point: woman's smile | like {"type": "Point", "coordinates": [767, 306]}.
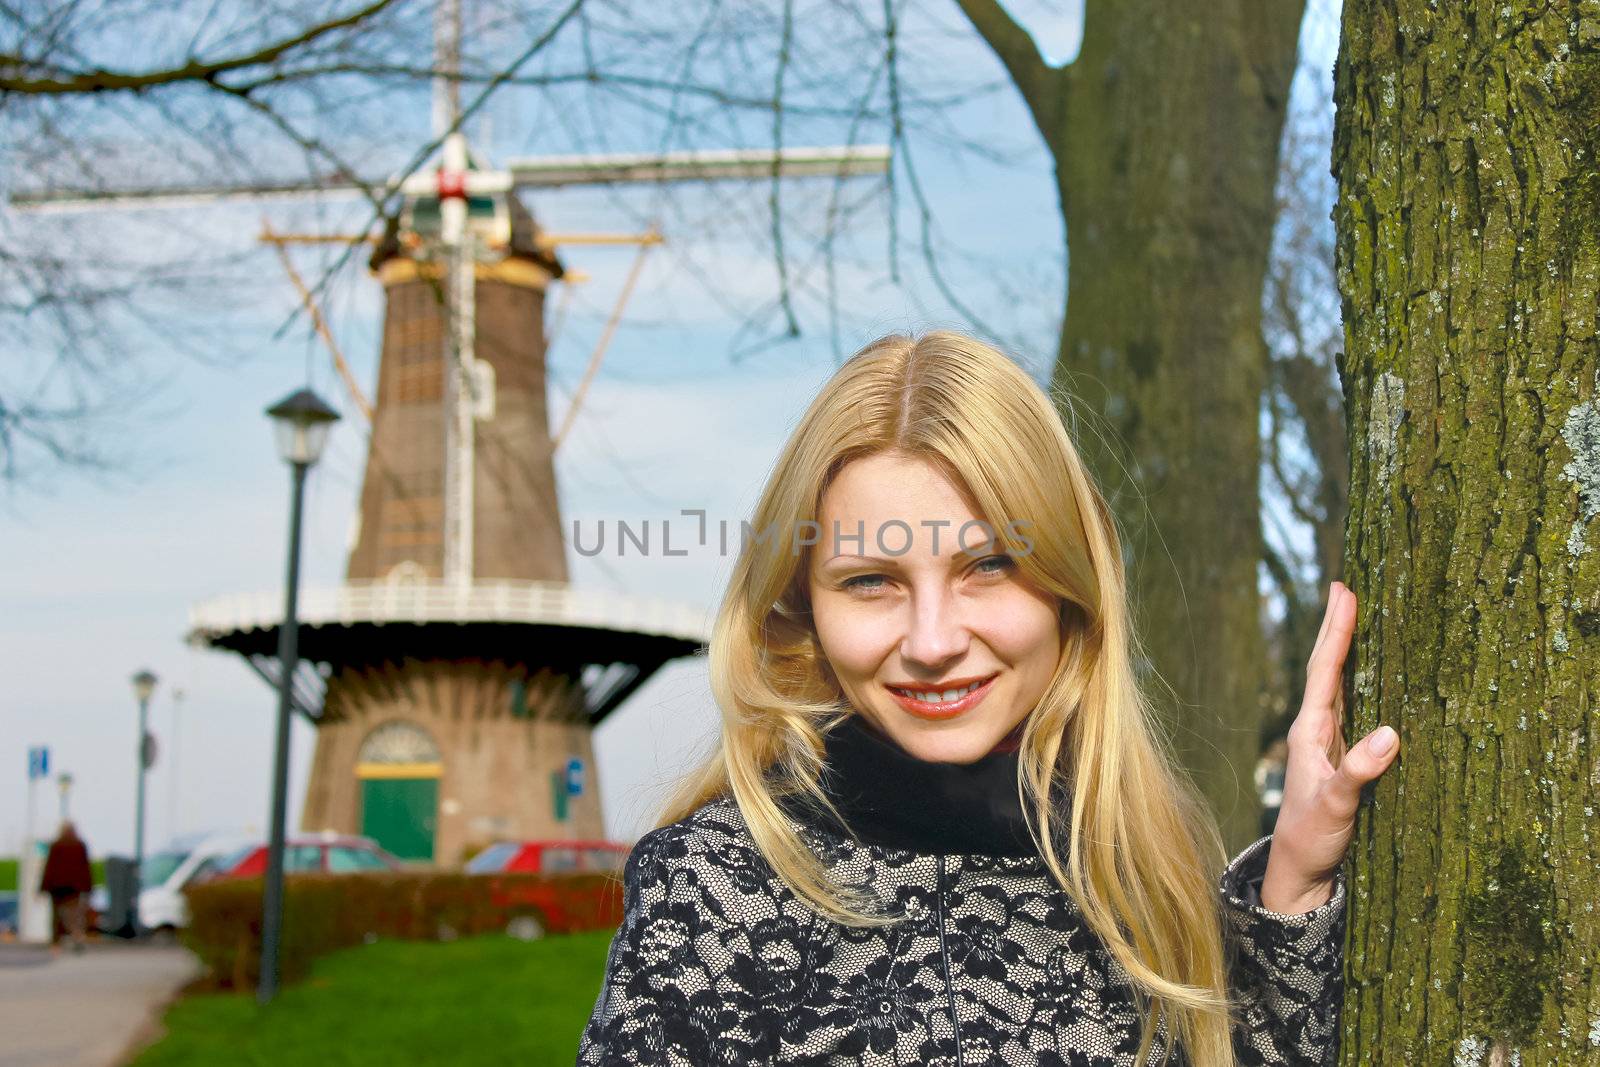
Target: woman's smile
{"type": "Point", "coordinates": [944, 702]}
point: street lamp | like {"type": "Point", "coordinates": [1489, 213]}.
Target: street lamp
{"type": "Point", "coordinates": [64, 783]}
{"type": "Point", "coordinates": [173, 785]}
{"type": "Point", "coordinates": [144, 685]}
{"type": "Point", "coordinates": [302, 421]}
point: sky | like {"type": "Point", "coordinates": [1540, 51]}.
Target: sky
{"type": "Point", "coordinates": [101, 571]}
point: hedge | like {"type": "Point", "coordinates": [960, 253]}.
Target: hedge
{"type": "Point", "coordinates": [323, 913]}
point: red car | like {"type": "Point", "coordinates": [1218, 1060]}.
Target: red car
{"type": "Point", "coordinates": [333, 854]}
{"type": "Point", "coordinates": [542, 907]}
{"type": "Point", "coordinates": [549, 857]}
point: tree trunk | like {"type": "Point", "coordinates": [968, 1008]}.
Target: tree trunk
{"type": "Point", "coordinates": [1165, 131]}
{"type": "Point", "coordinates": [1468, 257]}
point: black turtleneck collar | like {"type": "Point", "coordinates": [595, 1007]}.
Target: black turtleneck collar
{"type": "Point", "coordinates": [892, 798]}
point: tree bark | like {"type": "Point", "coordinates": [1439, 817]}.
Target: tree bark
{"type": "Point", "coordinates": [1165, 131]}
{"type": "Point", "coordinates": [1469, 264]}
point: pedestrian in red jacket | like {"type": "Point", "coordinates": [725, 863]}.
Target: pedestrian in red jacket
{"type": "Point", "coordinates": [67, 879]}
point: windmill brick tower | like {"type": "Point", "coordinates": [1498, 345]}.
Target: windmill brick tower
{"type": "Point", "coordinates": [433, 754]}
{"type": "Point", "coordinates": [459, 685]}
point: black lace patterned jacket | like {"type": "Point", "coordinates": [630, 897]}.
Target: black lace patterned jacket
{"type": "Point", "coordinates": [717, 963]}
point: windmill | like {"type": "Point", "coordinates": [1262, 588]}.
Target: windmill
{"type": "Point", "coordinates": [455, 678]}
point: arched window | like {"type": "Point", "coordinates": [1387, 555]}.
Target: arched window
{"type": "Point", "coordinates": [398, 742]}
{"type": "Point", "coordinates": [406, 572]}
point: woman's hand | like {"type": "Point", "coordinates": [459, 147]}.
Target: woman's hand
{"type": "Point", "coordinates": [1322, 782]}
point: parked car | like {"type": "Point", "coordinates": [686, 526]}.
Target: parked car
{"type": "Point", "coordinates": [550, 857]}
{"type": "Point", "coordinates": [330, 853]}
{"type": "Point", "coordinates": [164, 875]}
{"type": "Point", "coordinates": [538, 907]}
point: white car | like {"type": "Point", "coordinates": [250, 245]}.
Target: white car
{"type": "Point", "coordinates": [168, 870]}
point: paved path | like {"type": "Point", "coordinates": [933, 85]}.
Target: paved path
{"type": "Point", "coordinates": [88, 1010]}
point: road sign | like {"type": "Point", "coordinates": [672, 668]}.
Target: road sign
{"type": "Point", "coordinates": [38, 762]}
{"type": "Point", "coordinates": [574, 777]}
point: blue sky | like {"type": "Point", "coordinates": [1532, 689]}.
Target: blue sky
{"type": "Point", "coordinates": [102, 570]}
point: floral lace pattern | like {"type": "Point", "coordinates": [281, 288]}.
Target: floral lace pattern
{"type": "Point", "coordinates": [717, 963]}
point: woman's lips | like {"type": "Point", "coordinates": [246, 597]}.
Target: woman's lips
{"type": "Point", "coordinates": [955, 707]}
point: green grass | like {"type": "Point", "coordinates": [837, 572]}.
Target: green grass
{"type": "Point", "coordinates": [8, 872]}
{"type": "Point", "coordinates": [483, 1000]}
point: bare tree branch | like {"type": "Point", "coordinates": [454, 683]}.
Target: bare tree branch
{"type": "Point", "coordinates": [102, 81]}
{"type": "Point", "coordinates": [1293, 492]}
{"type": "Point", "coordinates": [775, 187]}
{"type": "Point", "coordinates": [1043, 87]}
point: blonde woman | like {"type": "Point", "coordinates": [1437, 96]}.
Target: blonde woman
{"type": "Point", "coordinates": [941, 827]}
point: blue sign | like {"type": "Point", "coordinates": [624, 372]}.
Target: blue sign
{"type": "Point", "coordinates": [574, 777]}
{"type": "Point", "coordinates": [38, 763]}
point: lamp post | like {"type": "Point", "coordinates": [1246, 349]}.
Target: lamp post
{"type": "Point", "coordinates": [173, 787]}
{"type": "Point", "coordinates": [64, 783]}
{"type": "Point", "coordinates": [302, 421]}
{"type": "Point", "coordinates": [144, 685]}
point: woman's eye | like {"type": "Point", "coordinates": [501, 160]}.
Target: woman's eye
{"type": "Point", "coordinates": [872, 583]}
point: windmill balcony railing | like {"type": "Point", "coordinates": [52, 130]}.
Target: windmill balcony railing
{"type": "Point", "coordinates": [380, 602]}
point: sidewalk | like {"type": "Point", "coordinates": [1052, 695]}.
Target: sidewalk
{"type": "Point", "coordinates": [88, 1010]}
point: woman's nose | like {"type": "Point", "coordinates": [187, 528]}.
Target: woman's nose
{"type": "Point", "coordinates": [935, 634]}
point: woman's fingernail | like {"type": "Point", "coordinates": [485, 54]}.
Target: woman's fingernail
{"type": "Point", "coordinates": [1382, 741]}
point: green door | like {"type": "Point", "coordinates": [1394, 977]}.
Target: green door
{"type": "Point", "coordinates": [398, 813]}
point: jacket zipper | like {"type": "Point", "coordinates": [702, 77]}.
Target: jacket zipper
{"type": "Point", "coordinates": [944, 953]}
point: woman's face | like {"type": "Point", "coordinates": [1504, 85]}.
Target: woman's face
{"type": "Point", "coordinates": [933, 618]}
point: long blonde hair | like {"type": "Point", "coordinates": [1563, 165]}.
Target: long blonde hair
{"type": "Point", "coordinates": [1132, 855]}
